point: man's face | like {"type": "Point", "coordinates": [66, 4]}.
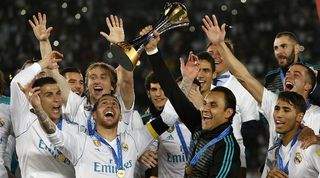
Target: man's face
{"type": "Point", "coordinates": [214, 112]}
{"type": "Point", "coordinates": [156, 96]}
{"type": "Point", "coordinates": [75, 81]}
{"type": "Point", "coordinates": [286, 117]}
{"type": "Point", "coordinates": [205, 76]}
{"type": "Point", "coordinates": [221, 66]}
{"type": "Point", "coordinates": [284, 51]}
{"type": "Point", "coordinates": [108, 112]}
{"type": "Point", "coordinates": [99, 83]}
{"type": "Point", "coordinates": [51, 100]}
{"type": "Point", "coordinates": [295, 80]}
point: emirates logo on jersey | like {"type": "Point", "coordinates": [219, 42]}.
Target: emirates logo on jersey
{"type": "Point", "coordinates": [298, 158]}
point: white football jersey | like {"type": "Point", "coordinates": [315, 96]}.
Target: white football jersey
{"type": "Point", "coordinates": [269, 101]}
{"type": "Point", "coordinates": [303, 163]}
{"type": "Point", "coordinates": [171, 156]}
{"type": "Point", "coordinates": [91, 158]}
{"type": "Point", "coordinates": [38, 158]}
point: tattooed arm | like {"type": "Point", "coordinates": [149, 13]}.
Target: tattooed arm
{"type": "Point", "coordinates": [33, 97]}
{"type": "Point", "coordinates": [46, 123]}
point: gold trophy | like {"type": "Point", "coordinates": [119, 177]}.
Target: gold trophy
{"type": "Point", "coordinates": [127, 53]}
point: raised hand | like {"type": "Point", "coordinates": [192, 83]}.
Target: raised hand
{"type": "Point", "coordinates": [190, 69]}
{"type": "Point", "coordinates": [214, 33]}
{"type": "Point", "coordinates": [115, 26]}
{"type": "Point", "coordinates": [51, 60]}
{"type": "Point", "coordinates": [39, 28]}
{"type": "Point", "coordinates": [32, 94]}
{"type": "Point", "coordinates": [152, 44]}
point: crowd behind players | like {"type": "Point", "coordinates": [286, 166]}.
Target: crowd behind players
{"type": "Point", "coordinates": [59, 123]}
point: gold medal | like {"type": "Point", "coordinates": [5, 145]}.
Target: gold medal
{"type": "Point", "coordinates": [97, 142]}
{"type": "Point", "coordinates": [61, 157]}
{"type": "Point", "coordinates": [188, 170]}
{"type": "Point", "coordinates": [120, 173]}
{"type": "Point", "coordinates": [125, 147]}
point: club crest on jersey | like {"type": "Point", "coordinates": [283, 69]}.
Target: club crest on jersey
{"type": "Point", "coordinates": [97, 142]}
{"type": "Point", "coordinates": [1, 122]}
{"type": "Point", "coordinates": [298, 158]}
{"type": "Point", "coordinates": [125, 147]}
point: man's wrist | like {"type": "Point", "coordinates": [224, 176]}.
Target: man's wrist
{"type": "Point", "coordinates": [152, 51]}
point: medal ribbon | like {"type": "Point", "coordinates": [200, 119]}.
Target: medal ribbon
{"type": "Point", "coordinates": [91, 126]}
{"type": "Point", "coordinates": [59, 125]}
{"type": "Point", "coordinates": [196, 158]}
{"type": "Point", "coordinates": [181, 138]}
{"type": "Point", "coordinates": [280, 161]}
{"type": "Point", "coordinates": [117, 158]}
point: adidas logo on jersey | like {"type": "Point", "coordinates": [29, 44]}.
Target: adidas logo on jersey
{"type": "Point", "coordinates": [170, 137]}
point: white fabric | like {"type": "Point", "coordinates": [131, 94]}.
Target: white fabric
{"type": "Point", "coordinates": [91, 160]}
{"type": "Point", "coordinates": [269, 100]}
{"type": "Point", "coordinates": [171, 157]}
{"type": "Point", "coordinates": [38, 158]}
{"type": "Point", "coordinates": [169, 115]}
{"type": "Point", "coordinates": [303, 163]}
{"type": "Point", "coordinates": [247, 105]}
{"type": "Point", "coordinates": [5, 126]}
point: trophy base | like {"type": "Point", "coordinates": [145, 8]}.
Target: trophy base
{"type": "Point", "coordinates": [121, 57]}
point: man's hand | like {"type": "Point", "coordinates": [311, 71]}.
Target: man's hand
{"type": "Point", "coordinates": [196, 98]}
{"type": "Point", "coordinates": [214, 33]}
{"type": "Point", "coordinates": [152, 44]}
{"type": "Point", "coordinates": [276, 173]}
{"type": "Point", "coordinates": [32, 94]}
{"type": "Point", "coordinates": [308, 137]}
{"type": "Point", "coordinates": [39, 27]}
{"type": "Point", "coordinates": [148, 158]}
{"type": "Point", "coordinates": [51, 60]}
{"type": "Point", "coordinates": [190, 69]}
{"type": "Point", "coordinates": [115, 26]}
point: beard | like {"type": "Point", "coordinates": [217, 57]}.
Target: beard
{"type": "Point", "coordinates": [290, 60]}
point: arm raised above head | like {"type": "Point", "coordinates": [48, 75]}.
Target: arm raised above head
{"type": "Point", "coordinates": [216, 35]}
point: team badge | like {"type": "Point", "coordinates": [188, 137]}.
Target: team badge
{"type": "Point", "coordinates": [125, 147]}
{"type": "Point", "coordinates": [171, 129]}
{"type": "Point", "coordinates": [61, 157]}
{"type": "Point", "coordinates": [318, 152]}
{"type": "Point", "coordinates": [298, 158]}
{"type": "Point", "coordinates": [1, 122]}
{"type": "Point", "coordinates": [97, 142]}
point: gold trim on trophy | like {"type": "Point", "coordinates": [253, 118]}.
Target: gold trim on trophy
{"type": "Point", "coordinates": [127, 54]}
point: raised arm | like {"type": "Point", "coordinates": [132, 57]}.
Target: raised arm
{"type": "Point", "coordinates": [216, 35]}
{"type": "Point", "coordinates": [125, 77]}
{"type": "Point", "coordinates": [42, 33]}
{"type": "Point", "coordinates": [71, 145]}
{"type": "Point", "coordinates": [188, 114]}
